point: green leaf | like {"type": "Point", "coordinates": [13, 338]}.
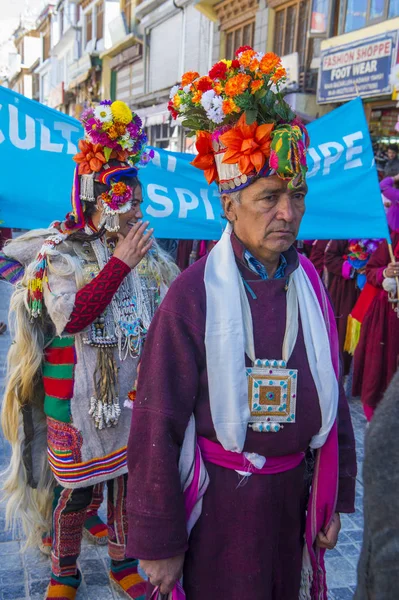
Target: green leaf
{"type": "Point", "coordinates": [268, 99]}
{"type": "Point", "coordinates": [107, 153]}
{"type": "Point", "coordinates": [260, 94]}
{"type": "Point", "coordinates": [250, 116]}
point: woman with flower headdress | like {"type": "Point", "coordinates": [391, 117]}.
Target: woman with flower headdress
{"type": "Point", "coordinates": [90, 287]}
{"type": "Point", "coordinates": [246, 354]}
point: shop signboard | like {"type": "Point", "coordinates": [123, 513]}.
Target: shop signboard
{"type": "Point", "coordinates": [360, 68]}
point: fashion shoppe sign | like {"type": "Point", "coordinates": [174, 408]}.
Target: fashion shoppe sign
{"type": "Point", "coordinates": [358, 69]}
{"type": "Point", "coordinates": [38, 142]}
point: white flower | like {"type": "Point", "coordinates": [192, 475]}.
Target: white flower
{"type": "Point", "coordinates": [207, 98]}
{"type": "Point", "coordinates": [187, 88]}
{"type": "Point", "coordinates": [216, 115]}
{"type": "Point", "coordinates": [217, 102]}
{"type": "Point", "coordinates": [103, 113]}
{"type": "Point", "coordinates": [126, 142]}
{"type": "Point", "coordinates": [174, 91]}
{"type": "Point", "coordinates": [259, 56]}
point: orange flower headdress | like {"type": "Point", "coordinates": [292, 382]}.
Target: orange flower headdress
{"type": "Point", "coordinates": [244, 128]}
{"type": "Point", "coordinates": [113, 136]}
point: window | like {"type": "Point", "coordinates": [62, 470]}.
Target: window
{"type": "Point", "coordinates": [393, 9]}
{"type": "Point", "coordinates": [291, 26]}
{"type": "Point", "coordinates": [360, 13]}
{"type": "Point", "coordinates": [100, 20]}
{"type": "Point", "coordinates": [46, 45]}
{"type": "Point", "coordinates": [89, 26]}
{"type": "Point", "coordinates": [77, 14]}
{"type": "Point", "coordinates": [240, 36]}
{"type": "Point", "coordinates": [127, 9]}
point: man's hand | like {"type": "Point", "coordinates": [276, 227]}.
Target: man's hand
{"type": "Point", "coordinates": [164, 573]}
{"type": "Point", "coordinates": [392, 270]}
{"type": "Point", "coordinates": [132, 248]}
{"type": "Point", "coordinates": [328, 539]}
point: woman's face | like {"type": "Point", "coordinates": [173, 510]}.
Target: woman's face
{"type": "Point", "coordinates": [128, 219]}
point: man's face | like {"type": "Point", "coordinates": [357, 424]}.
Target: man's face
{"type": "Point", "coordinates": [268, 217]}
{"type": "Point", "coordinates": [391, 154]}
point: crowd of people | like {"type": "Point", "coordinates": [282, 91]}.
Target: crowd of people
{"type": "Point", "coordinates": [210, 404]}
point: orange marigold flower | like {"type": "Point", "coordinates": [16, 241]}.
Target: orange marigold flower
{"type": "Point", "coordinates": [237, 85]}
{"type": "Point", "coordinates": [119, 188]}
{"type": "Point", "coordinates": [112, 132]}
{"type": "Point", "coordinates": [229, 106]}
{"type": "Point", "coordinates": [246, 57]}
{"type": "Point", "coordinates": [279, 73]}
{"type": "Point", "coordinates": [196, 99]}
{"type": "Point", "coordinates": [120, 128]}
{"type": "Point", "coordinates": [132, 395]}
{"type": "Point", "coordinates": [254, 66]}
{"type": "Point", "coordinates": [218, 88]}
{"type": "Point", "coordinates": [256, 85]}
{"type": "Point", "coordinates": [189, 77]}
{"type": "Point", "coordinates": [269, 62]}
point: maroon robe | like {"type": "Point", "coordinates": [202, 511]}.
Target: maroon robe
{"type": "Point", "coordinates": [317, 255]}
{"type": "Point", "coordinates": [247, 544]}
{"type": "Point", "coordinates": [343, 292]}
{"type": "Point", "coordinates": [376, 356]}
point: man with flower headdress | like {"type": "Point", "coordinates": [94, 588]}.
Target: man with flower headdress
{"type": "Point", "coordinates": [247, 394]}
{"type": "Point", "coordinates": [89, 290]}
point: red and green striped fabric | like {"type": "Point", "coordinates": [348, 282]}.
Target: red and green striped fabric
{"type": "Point", "coordinates": [58, 378]}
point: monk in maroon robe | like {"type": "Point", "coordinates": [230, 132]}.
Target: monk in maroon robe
{"type": "Point", "coordinates": [343, 292]}
{"type": "Point", "coordinates": [317, 255]}
{"type": "Point", "coordinates": [376, 356]}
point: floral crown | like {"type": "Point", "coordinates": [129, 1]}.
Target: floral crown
{"type": "Point", "coordinates": [112, 134]}
{"type": "Point", "coordinates": [244, 127]}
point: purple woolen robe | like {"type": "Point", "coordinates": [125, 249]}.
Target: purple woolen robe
{"type": "Point", "coordinates": [343, 292]}
{"type": "Point", "coordinates": [248, 542]}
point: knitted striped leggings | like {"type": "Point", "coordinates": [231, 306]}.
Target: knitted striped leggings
{"type": "Point", "coordinates": [69, 514]}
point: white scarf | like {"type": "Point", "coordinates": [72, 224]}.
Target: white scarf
{"type": "Point", "coordinates": [229, 335]}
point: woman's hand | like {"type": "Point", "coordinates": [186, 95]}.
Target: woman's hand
{"type": "Point", "coordinates": [392, 270]}
{"type": "Point", "coordinates": [328, 539]}
{"type": "Point", "coordinates": [132, 248]}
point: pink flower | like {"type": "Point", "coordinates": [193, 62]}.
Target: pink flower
{"type": "Point", "coordinates": [273, 160]}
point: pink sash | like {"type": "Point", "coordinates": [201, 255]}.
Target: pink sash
{"type": "Point", "coordinates": [215, 453]}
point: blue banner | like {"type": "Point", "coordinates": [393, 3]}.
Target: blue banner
{"type": "Point", "coordinates": [37, 144]}
{"type": "Point", "coordinates": [359, 68]}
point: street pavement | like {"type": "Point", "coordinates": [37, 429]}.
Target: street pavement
{"type": "Point", "coordinates": [25, 575]}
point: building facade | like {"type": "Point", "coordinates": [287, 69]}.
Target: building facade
{"type": "Point", "coordinates": [46, 68]}
{"type": "Point", "coordinates": [176, 37]}
{"type": "Point", "coordinates": [360, 58]}
{"type": "Point", "coordinates": [21, 76]}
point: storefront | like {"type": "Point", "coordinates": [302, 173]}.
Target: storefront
{"type": "Point", "coordinates": [360, 64]}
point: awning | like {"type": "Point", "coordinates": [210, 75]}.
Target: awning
{"type": "Point", "coordinates": [78, 80]}
{"type": "Point", "coordinates": [154, 115]}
